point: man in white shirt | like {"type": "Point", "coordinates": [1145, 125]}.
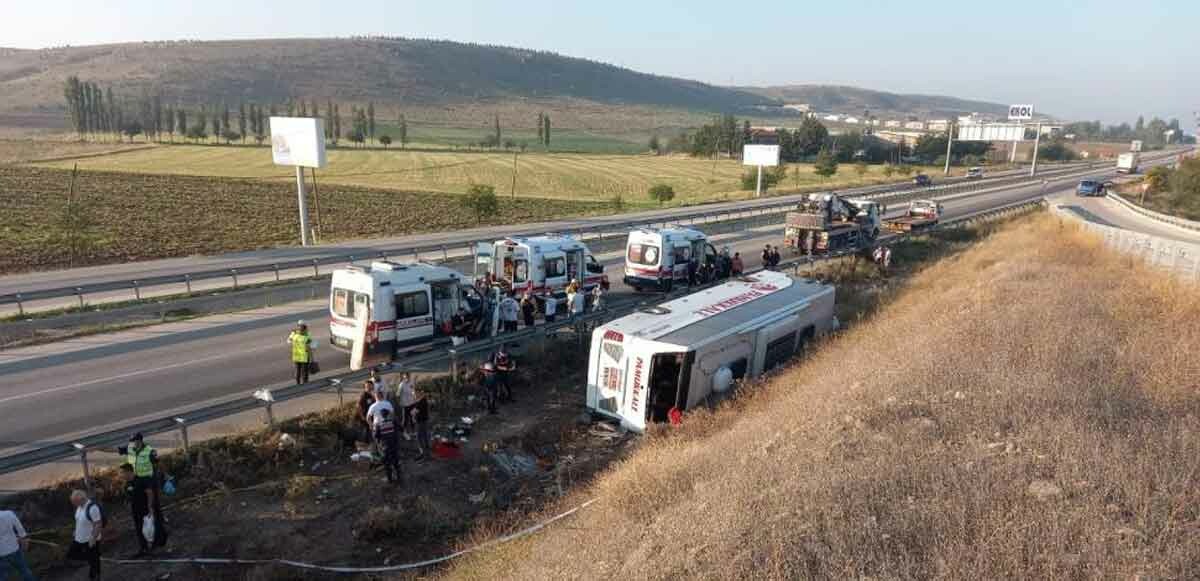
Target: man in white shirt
{"type": "Point", "coordinates": [408, 397]}
{"type": "Point", "coordinates": [374, 414]}
{"type": "Point", "coordinates": [509, 313]}
{"type": "Point", "coordinates": [551, 305]}
{"type": "Point", "coordinates": [381, 386]}
{"type": "Point", "coordinates": [13, 544]}
{"type": "Point", "coordinates": [85, 545]}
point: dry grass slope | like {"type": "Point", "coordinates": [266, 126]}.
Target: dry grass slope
{"type": "Point", "coordinates": [1028, 409]}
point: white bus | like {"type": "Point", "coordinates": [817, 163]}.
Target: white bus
{"type": "Point", "coordinates": [675, 355]}
{"type": "Point", "coordinates": [658, 257]}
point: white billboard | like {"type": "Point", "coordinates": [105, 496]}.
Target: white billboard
{"type": "Point", "coordinates": [992, 132]}
{"type": "Point", "coordinates": [762, 155]}
{"type": "Point", "coordinates": [1020, 112]}
{"type": "Point", "coordinates": [298, 141]}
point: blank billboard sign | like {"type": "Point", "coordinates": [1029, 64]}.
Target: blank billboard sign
{"type": "Point", "coordinates": [760, 155]}
{"type": "Point", "coordinates": [991, 132]}
{"type": "Point", "coordinates": [298, 141]}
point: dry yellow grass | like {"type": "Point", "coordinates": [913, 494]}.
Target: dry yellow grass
{"type": "Point", "coordinates": [911, 446]}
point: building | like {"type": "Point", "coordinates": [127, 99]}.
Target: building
{"type": "Point", "coordinates": [938, 124]}
{"type": "Point", "coordinates": [801, 107]}
{"type": "Point", "coordinates": [833, 117]}
{"type": "Point", "coordinates": [851, 120]}
{"type": "Point", "coordinates": [917, 125]}
{"type": "Point", "coordinates": [892, 124]}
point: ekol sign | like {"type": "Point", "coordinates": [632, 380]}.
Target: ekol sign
{"type": "Point", "coordinates": [1020, 112]}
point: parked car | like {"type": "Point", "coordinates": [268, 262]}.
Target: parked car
{"type": "Point", "coordinates": [1089, 188]}
{"type": "Point", "coordinates": [974, 173]}
{"type": "Point", "coordinates": [922, 180]}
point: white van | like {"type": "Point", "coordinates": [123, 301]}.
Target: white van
{"type": "Point", "coordinates": [658, 257]}
{"type": "Point", "coordinates": [677, 354]}
{"type": "Point", "coordinates": [410, 305]}
{"type": "Point", "coordinates": [540, 265]}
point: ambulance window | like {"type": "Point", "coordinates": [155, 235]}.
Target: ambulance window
{"type": "Point", "coordinates": [361, 301]}
{"type": "Point", "coordinates": [556, 267]}
{"type": "Point", "coordinates": [593, 266]}
{"type": "Point", "coordinates": [521, 271]}
{"type": "Point", "coordinates": [343, 304]}
{"type": "Point", "coordinates": [442, 292]}
{"type": "Point", "coordinates": [410, 305]}
{"type": "Point", "coordinates": [683, 254]}
{"type": "Point", "coordinates": [643, 254]}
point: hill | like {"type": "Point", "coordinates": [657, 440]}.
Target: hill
{"type": "Point", "coordinates": [853, 100]}
{"type": "Point", "coordinates": [390, 71]}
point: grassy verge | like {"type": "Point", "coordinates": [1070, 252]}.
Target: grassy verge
{"type": "Point", "coordinates": [1026, 409]}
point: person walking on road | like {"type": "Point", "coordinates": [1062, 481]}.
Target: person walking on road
{"type": "Point", "coordinates": [302, 345]}
{"type": "Point", "coordinates": [85, 543]}
{"type": "Point", "coordinates": [14, 543]}
{"type": "Point", "coordinates": [386, 435]}
{"type": "Point", "coordinates": [598, 298]}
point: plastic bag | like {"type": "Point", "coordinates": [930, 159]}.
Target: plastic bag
{"type": "Point", "coordinates": [169, 486]}
{"type": "Point", "coordinates": [148, 528]}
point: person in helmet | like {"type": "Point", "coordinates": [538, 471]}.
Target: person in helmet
{"type": "Point", "coordinates": [490, 387]}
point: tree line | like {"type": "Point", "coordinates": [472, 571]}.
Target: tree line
{"type": "Point", "coordinates": [1152, 134]}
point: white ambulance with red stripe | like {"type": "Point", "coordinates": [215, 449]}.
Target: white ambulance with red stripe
{"type": "Point", "coordinates": [657, 258]}
{"type": "Point", "coordinates": [653, 365]}
{"type": "Point", "coordinates": [408, 305]}
{"type": "Point", "coordinates": [540, 265]}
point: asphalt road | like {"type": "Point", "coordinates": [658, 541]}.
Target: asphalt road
{"type": "Point", "coordinates": [50, 392]}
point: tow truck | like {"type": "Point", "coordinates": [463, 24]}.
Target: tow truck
{"type": "Point", "coordinates": [828, 223]}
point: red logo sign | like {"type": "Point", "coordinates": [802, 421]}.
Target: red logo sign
{"type": "Point", "coordinates": [613, 336]}
{"type": "Point", "coordinates": [637, 385]}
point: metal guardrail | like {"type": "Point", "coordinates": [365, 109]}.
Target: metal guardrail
{"type": "Point", "coordinates": [1167, 219]}
{"type": "Point", "coordinates": [750, 208]}
{"type": "Point", "coordinates": [79, 447]}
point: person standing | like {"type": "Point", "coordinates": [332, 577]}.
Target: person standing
{"type": "Point", "coordinates": [776, 258]}
{"type": "Point", "coordinates": [365, 400]}
{"type": "Point", "coordinates": [143, 460]}
{"type": "Point", "coordinates": [302, 345]}
{"type": "Point", "coordinates": [766, 257]}
{"type": "Point", "coordinates": [379, 384]}
{"type": "Point", "coordinates": [490, 390]}
{"type": "Point", "coordinates": [578, 302]}
{"type": "Point", "coordinates": [85, 544]}
{"type": "Point", "coordinates": [528, 310]}
{"type": "Point", "coordinates": [551, 309]}
{"type": "Point", "coordinates": [408, 397]}
{"type": "Point", "coordinates": [377, 409]}
{"type": "Point", "coordinates": [420, 416]}
{"type": "Point", "coordinates": [737, 265]}
{"type": "Point", "coordinates": [139, 509]}
{"type": "Point", "coordinates": [386, 436]}
{"type": "Point", "coordinates": [14, 543]}
{"type": "Point", "coordinates": [504, 366]}
{"type": "Point", "coordinates": [509, 313]}
{"type": "Point", "coordinates": [597, 298]}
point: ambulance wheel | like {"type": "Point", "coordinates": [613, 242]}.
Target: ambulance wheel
{"type": "Point", "coordinates": [668, 284]}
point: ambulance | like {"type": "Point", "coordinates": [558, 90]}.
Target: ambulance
{"type": "Point", "coordinates": [663, 360]}
{"type": "Point", "coordinates": [408, 306]}
{"type": "Point", "coordinates": [540, 265]}
{"type": "Point", "coordinates": [658, 258]}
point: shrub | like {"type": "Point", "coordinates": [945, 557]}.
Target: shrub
{"type": "Point", "coordinates": [481, 199]}
{"type": "Point", "coordinates": [661, 193]}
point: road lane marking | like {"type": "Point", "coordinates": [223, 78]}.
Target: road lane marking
{"type": "Point", "coordinates": [130, 374]}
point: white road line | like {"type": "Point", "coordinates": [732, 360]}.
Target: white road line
{"type": "Point", "coordinates": [130, 374]}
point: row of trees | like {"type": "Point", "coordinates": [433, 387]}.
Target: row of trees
{"type": "Point", "coordinates": [1152, 134]}
{"type": "Point", "coordinates": [495, 139]}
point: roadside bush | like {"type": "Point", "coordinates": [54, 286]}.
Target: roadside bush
{"type": "Point", "coordinates": [481, 199]}
{"type": "Point", "coordinates": [661, 193]}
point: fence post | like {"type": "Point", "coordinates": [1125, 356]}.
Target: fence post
{"type": "Point", "coordinates": [137, 291]}
{"type": "Point", "coordinates": [20, 307]}
{"type": "Point", "coordinates": [233, 273]}
{"type": "Point", "coordinates": [183, 433]}
{"type": "Point", "coordinates": [187, 280]}
{"type": "Point", "coordinates": [316, 270]}
{"type": "Point", "coordinates": [79, 293]}
{"type": "Point", "coordinates": [87, 472]}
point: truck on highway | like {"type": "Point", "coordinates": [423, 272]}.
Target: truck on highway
{"type": "Point", "coordinates": [406, 306]}
{"type": "Point", "coordinates": [1135, 145]}
{"type": "Point", "coordinates": [657, 258]}
{"type": "Point", "coordinates": [828, 223]}
{"type": "Point", "coordinates": [660, 361]}
{"type": "Point", "coordinates": [921, 214]}
{"type": "Point", "coordinates": [1127, 162]}
{"type": "Point", "coordinates": [542, 266]}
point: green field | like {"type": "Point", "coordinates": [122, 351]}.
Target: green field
{"type": "Point", "coordinates": [577, 177]}
{"type": "Point", "coordinates": [574, 140]}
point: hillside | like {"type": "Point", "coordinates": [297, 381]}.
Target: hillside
{"type": "Point", "coordinates": [388, 71]}
{"type": "Point", "coordinates": [854, 100]}
{"type": "Point", "coordinates": [1026, 409]}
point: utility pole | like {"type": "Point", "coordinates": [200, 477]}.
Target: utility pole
{"type": "Point", "coordinates": [513, 191]}
{"type": "Point", "coordinates": [758, 188]}
{"type": "Point", "coordinates": [1037, 139]}
{"type": "Point", "coordinates": [1012, 156]}
{"type": "Point", "coordinates": [949, 142]}
{"type": "Point", "coordinates": [303, 206]}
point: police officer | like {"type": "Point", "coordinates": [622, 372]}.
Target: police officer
{"type": "Point", "coordinates": [302, 345]}
{"type": "Point", "coordinates": [504, 366]}
{"type": "Point", "coordinates": [143, 461]}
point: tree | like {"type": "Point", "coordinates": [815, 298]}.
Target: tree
{"type": "Point", "coordinates": [72, 92]}
{"type": "Point", "coordinates": [329, 120]}
{"type": "Point", "coordinates": [242, 120]}
{"type": "Point", "coordinates": [74, 227]}
{"type": "Point", "coordinates": [861, 168]}
{"type": "Point", "coordinates": [159, 125]}
{"type": "Point", "coordinates": [111, 116]}
{"type": "Point", "coordinates": [386, 140]}
{"type": "Point", "coordinates": [546, 131]}
{"type": "Point", "coordinates": [481, 199]}
{"type": "Point", "coordinates": [1157, 180]}
{"type": "Point", "coordinates": [826, 165]}
{"type": "Point", "coordinates": [770, 178]}
{"type": "Point", "coordinates": [371, 119]}
{"type": "Point", "coordinates": [132, 129]}
{"type": "Point", "coordinates": [181, 125]}
{"type": "Point", "coordinates": [225, 128]}
{"type": "Point", "coordinates": [402, 129]}
{"type": "Point", "coordinates": [810, 137]}
{"type": "Point", "coordinates": [496, 134]}
{"type": "Point", "coordinates": [337, 124]}
{"type": "Point", "coordinates": [654, 145]}
{"type": "Point", "coordinates": [230, 136]}
{"type": "Point", "coordinates": [541, 127]}
{"type": "Point", "coordinates": [661, 193]}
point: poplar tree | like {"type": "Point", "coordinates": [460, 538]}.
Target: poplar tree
{"type": "Point", "coordinates": [371, 119]}
{"type": "Point", "coordinates": [242, 120]}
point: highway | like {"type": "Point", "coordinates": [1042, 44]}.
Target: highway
{"type": "Point", "coordinates": [49, 393]}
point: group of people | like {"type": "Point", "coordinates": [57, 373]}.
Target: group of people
{"type": "Point", "coordinates": [771, 257]}
{"type": "Point", "coordinates": [384, 426]}
{"type": "Point", "coordinates": [143, 486]}
{"type": "Point", "coordinates": [513, 311]}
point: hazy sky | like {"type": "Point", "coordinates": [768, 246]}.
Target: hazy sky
{"type": "Point", "coordinates": [1084, 59]}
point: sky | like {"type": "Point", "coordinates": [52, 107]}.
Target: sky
{"type": "Point", "coordinates": [1100, 59]}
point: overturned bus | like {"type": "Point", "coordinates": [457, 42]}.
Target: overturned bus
{"type": "Point", "coordinates": [674, 356]}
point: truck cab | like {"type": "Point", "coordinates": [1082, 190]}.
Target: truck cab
{"type": "Point", "coordinates": [405, 306]}
{"type": "Point", "coordinates": [540, 265]}
{"type": "Point", "coordinates": [657, 258]}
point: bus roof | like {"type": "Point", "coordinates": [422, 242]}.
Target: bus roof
{"type": "Point", "coordinates": [711, 313]}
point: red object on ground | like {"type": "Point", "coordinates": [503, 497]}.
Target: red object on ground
{"type": "Point", "coordinates": [675, 416]}
{"type": "Point", "coordinates": [446, 450]}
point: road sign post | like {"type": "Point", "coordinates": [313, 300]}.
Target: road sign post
{"type": "Point", "coordinates": [1037, 139]}
{"type": "Point", "coordinates": [949, 143]}
{"type": "Point", "coordinates": [760, 155]}
{"type": "Point", "coordinates": [299, 142]}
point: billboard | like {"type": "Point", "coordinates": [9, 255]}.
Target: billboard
{"type": "Point", "coordinates": [760, 155]}
{"type": "Point", "coordinates": [298, 141]}
{"type": "Point", "coordinates": [1020, 112]}
{"type": "Point", "coordinates": [992, 132]}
